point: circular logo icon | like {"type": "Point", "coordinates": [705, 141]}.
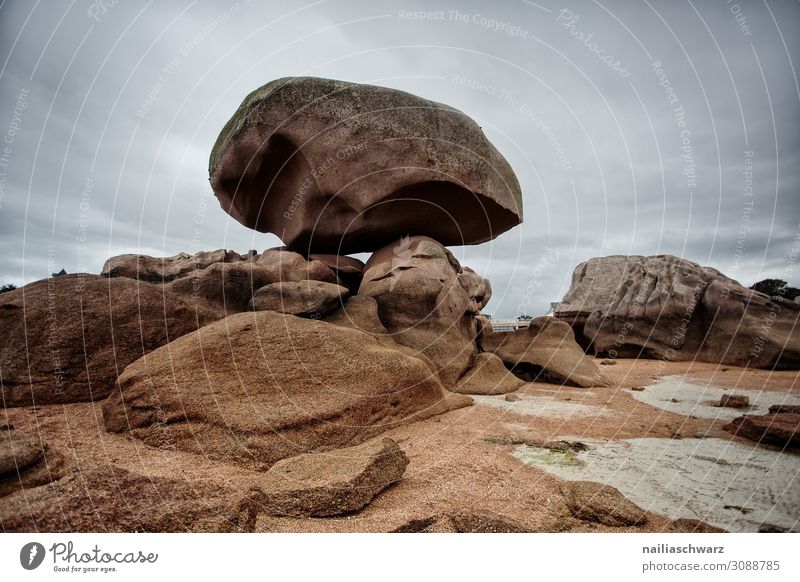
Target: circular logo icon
{"type": "Point", "coordinates": [31, 555]}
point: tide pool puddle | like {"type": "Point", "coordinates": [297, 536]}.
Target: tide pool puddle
{"type": "Point", "coordinates": [678, 395]}
{"type": "Point", "coordinates": [723, 483]}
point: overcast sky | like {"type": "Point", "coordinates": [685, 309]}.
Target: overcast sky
{"type": "Point", "coordinates": [628, 124]}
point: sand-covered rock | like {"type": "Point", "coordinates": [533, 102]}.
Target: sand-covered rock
{"type": "Point", "coordinates": [332, 483]}
{"type": "Point", "coordinates": [104, 498]}
{"type": "Point", "coordinates": [258, 387]}
{"type": "Point", "coordinates": [337, 167]}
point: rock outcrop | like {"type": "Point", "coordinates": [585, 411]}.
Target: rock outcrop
{"type": "Point", "coordinates": [673, 309]}
{"type": "Point", "coordinates": [333, 483]}
{"type": "Point", "coordinates": [166, 269]}
{"type": "Point", "coordinates": [427, 302]}
{"type": "Point", "coordinates": [546, 350]}
{"type": "Point", "coordinates": [337, 167]}
{"type": "Point", "coordinates": [780, 429]}
{"type": "Point", "coordinates": [488, 375]}
{"type": "Point", "coordinates": [110, 499]}
{"type": "Point", "coordinates": [259, 387]}
{"type": "Point", "coordinates": [314, 299]}
{"type": "Point", "coordinates": [595, 502]}
{"type": "Point", "coordinates": [65, 339]}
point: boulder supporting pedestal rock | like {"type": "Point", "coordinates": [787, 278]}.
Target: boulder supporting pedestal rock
{"type": "Point", "coordinates": [303, 298]}
{"type": "Point", "coordinates": [427, 302]}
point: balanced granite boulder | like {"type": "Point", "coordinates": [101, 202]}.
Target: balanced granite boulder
{"type": "Point", "coordinates": [337, 167]}
{"type": "Point", "coordinates": [303, 298]}
{"type": "Point", "coordinates": [261, 386]}
{"type": "Point", "coordinates": [426, 301]}
{"type": "Point", "coordinates": [332, 483]}
{"type": "Point", "coordinates": [546, 350]}
{"type": "Point", "coordinates": [670, 308]}
{"type": "Point", "coordinates": [65, 339]}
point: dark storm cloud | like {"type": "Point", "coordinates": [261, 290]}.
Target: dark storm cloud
{"type": "Point", "coordinates": [627, 123]}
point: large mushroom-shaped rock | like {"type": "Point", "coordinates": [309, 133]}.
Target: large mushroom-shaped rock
{"type": "Point", "coordinates": [324, 484]}
{"type": "Point", "coordinates": [304, 298]}
{"type": "Point", "coordinates": [488, 375]}
{"type": "Point", "coordinates": [337, 167]}
{"type": "Point", "coordinates": [165, 269]}
{"type": "Point", "coordinates": [545, 350]}
{"type": "Point", "coordinates": [258, 387]}
{"type": "Point", "coordinates": [670, 308]}
{"type": "Point", "coordinates": [424, 301]}
{"type": "Point", "coordinates": [65, 339]}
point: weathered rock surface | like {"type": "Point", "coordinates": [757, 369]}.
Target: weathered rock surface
{"type": "Point", "coordinates": [464, 521]}
{"type": "Point", "coordinates": [360, 312]}
{"type": "Point", "coordinates": [670, 308]}
{"type": "Point", "coordinates": [547, 351]}
{"type": "Point", "coordinates": [258, 387]}
{"type": "Point", "coordinates": [687, 525]}
{"type": "Point", "coordinates": [324, 484]}
{"type": "Point", "coordinates": [26, 462]}
{"type": "Point", "coordinates": [109, 499]}
{"type": "Point", "coordinates": [781, 429]}
{"type": "Point", "coordinates": [303, 298]}
{"type": "Point", "coordinates": [65, 339]}
{"type": "Point", "coordinates": [337, 167]}
{"type": "Point", "coordinates": [165, 269]}
{"type": "Point", "coordinates": [425, 302]}
{"type": "Point", "coordinates": [595, 502]}
{"type": "Point", "coordinates": [488, 375]}
{"type": "Point", "coordinates": [18, 451]}
{"type": "Point", "coordinates": [734, 401]}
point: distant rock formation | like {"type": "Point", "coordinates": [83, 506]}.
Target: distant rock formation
{"type": "Point", "coordinates": [337, 167]}
{"type": "Point", "coordinates": [673, 309]}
